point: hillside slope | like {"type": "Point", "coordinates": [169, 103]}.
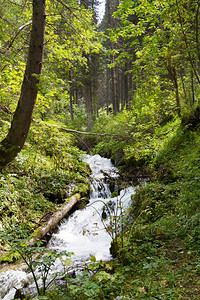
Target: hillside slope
{"type": "Point", "coordinates": [158, 257]}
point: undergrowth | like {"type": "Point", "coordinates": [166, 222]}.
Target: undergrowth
{"type": "Point", "coordinates": [160, 254]}
{"type": "Point", "coordinates": [45, 173]}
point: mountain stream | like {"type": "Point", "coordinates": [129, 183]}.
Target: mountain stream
{"type": "Point", "coordinates": [84, 231]}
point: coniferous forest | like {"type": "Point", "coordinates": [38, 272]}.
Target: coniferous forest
{"type": "Point", "coordinates": [124, 85]}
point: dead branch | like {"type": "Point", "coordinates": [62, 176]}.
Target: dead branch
{"type": "Point", "coordinates": [5, 109]}
{"type": "Point", "coordinates": [15, 35]}
{"type": "Point", "coordinates": [87, 133]}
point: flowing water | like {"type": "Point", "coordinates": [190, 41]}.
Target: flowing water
{"type": "Point", "coordinates": [84, 232]}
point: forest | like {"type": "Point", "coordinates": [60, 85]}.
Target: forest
{"type": "Point", "coordinates": [124, 85]}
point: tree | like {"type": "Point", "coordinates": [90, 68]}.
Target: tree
{"type": "Point", "coordinates": [91, 69]}
{"type": "Point", "coordinates": [117, 79]}
{"type": "Point", "coordinates": [16, 137]}
{"type": "Point", "coordinates": [68, 76]}
{"type": "Point", "coordinates": [163, 39]}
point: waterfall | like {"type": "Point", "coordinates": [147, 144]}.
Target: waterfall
{"type": "Point", "coordinates": [84, 232]}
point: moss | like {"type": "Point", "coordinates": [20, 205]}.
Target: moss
{"type": "Point", "coordinates": [153, 201]}
{"type": "Point", "coordinates": [192, 118]}
{"type": "Point", "coordinates": [35, 183]}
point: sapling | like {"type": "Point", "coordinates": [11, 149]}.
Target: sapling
{"type": "Point", "coordinates": [39, 265]}
{"type": "Point", "coordinates": [116, 221]}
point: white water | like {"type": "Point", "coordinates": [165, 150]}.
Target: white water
{"type": "Point", "coordinates": [83, 233]}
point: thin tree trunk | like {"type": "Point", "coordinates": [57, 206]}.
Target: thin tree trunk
{"type": "Point", "coordinates": [114, 90]}
{"type": "Point", "coordinates": [71, 105]}
{"type": "Point", "coordinates": [186, 43]}
{"type": "Point", "coordinates": [173, 78]}
{"type": "Point", "coordinates": [71, 98]}
{"type": "Point", "coordinates": [14, 141]}
{"type": "Point", "coordinates": [197, 35]}
{"type": "Point", "coordinates": [126, 89]}
{"type": "Point", "coordinates": [88, 103]}
{"type": "Point", "coordinates": [177, 96]}
{"type": "Point", "coordinates": [122, 89]}
{"type": "Point", "coordinates": [192, 89]}
{"type": "Point", "coordinates": [107, 89]}
{"type": "Point", "coordinates": [183, 85]}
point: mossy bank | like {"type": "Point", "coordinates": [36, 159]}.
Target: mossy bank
{"type": "Point", "coordinates": [160, 255]}
{"type": "Point", "coordinates": [44, 175]}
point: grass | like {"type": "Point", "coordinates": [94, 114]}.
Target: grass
{"type": "Point", "coordinates": [160, 254]}
{"type": "Point", "coordinates": [38, 181]}
{"type": "Point", "coordinates": [160, 258]}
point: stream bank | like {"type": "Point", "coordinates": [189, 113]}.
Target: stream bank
{"type": "Point", "coordinates": [160, 255]}
{"type": "Point", "coordinates": [87, 232]}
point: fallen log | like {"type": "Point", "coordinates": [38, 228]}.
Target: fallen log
{"type": "Point", "coordinates": [51, 224]}
{"type": "Point", "coordinates": [87, 133]}
{"type": "Point", "coordinates": [83, 132]}
{"type": "Point", "coordinates": [123, 136]}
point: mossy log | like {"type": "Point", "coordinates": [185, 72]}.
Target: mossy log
{"type": "Point", "coordinates": [51, 224]}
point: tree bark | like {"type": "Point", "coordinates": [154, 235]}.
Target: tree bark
{"type": "Point", "coordinates": [88, 103]}
{"type": "Point", "coordinates": [173, 78]}
{"type": "Point", "coordinates": [71, 105]}
{"type": "Point", "coordinates": [14, 141]}
{"type": "Point", "coordinates": [187, 43]}
{"type": "Point", "coordinates": [114, 90]}
{"type": "Point", "coordinates": [71, 93]}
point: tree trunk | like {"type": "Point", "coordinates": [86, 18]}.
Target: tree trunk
{"type": "Point", "coordinates": [192, 89]}
{"type": "Point", "coordinates": [71, 105]}
{"type": "Point", "coordinates": [197, 34]}
{"type": "Point", "coordinates": [107, 89]}
{"type": "Point", "coordinates": [173, 78]}
{"type": "Point", "coordinates": [126, 88]}
{"type": "Point", "coordinates": [14, 141]}
{"type": "Point", "coordinates": [88, 103]}
{"type": "Point", "coordinates": [188, 49]}
{"type": "Point", "coordinates": [114, 90]}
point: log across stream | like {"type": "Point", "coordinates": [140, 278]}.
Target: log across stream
{"type": "Point", "coordinates": [83, 232]}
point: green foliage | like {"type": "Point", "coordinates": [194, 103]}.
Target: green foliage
{"type": "Point", "coordinates": [19, 202]}
{"type": "Point", "coordinates": [154, 201]}
{"type": "Point", "coordinates": [80, 120]}
{"type": "Point", "coordinates": [71, 35]}
{"type": "Point", "coordinates": [191, 117]}
{"type": "Point", "coordinates": [39, 267]}
{"type": "Point", "coordinates": [160, 246]}
{"type": "Point", "coordinates": [136, 136]}
{"type": "Point", "coordinates": [158, 252]}
{"type": "Point", "coordinates": [46, 172]}
{"type": "Point", "coordinates": [156, 44]}
{"type": "Point", "coordinates": [162, 44]}
{"type": "Point", "coordinates": [174, 194]}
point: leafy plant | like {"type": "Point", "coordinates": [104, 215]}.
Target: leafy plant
{"type": "Point", "coordinates": [38, 261]}
{"type": "Point", "coordinates": [115, 214]}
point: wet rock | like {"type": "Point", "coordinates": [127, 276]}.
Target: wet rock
{"type": "Point", "coordinates": [19, 295]}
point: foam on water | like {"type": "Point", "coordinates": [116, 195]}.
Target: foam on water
{"type": "Point", "coordinates": [83, 233]}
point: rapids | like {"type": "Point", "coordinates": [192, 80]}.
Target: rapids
{"type": "Point", "coordinates": [84, 232]}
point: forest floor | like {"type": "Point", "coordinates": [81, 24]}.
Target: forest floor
{"type": "Point", "coordinates": [161, 257]}
{"type": "Point", "coordinates": [158, 257]}
{"type": "Point", "coordinates": [47, 172]}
